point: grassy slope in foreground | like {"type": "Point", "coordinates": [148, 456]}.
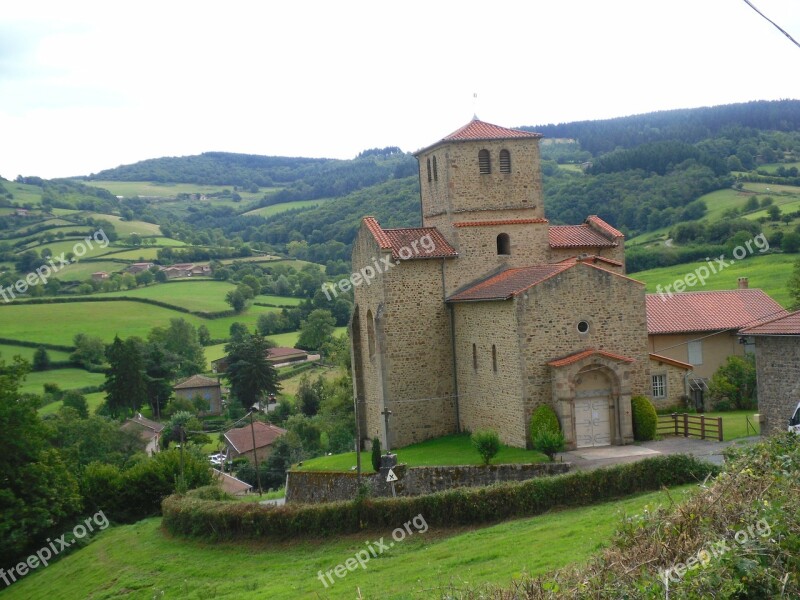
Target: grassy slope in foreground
{"type": "Point", "coordinates": [140, 562]}
{"type": "Point", "coordinates": [769, 272]}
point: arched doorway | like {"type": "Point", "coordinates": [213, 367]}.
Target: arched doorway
{"type": "Point", "coordinates": [593, 408]}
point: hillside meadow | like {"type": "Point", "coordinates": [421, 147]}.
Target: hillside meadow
{"type": "Point", "coordinates": [142, 562]}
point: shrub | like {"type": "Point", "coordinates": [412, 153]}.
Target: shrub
{"type": "Point", "coordinates": [487, 443]}
{"type": "Point", "coordinates": [376, 454]}
{"type": "Point", "coordinates": [645, 419]}
{"type": "Point", "coordinates": [544, 418]}
{"type": "Point", "coordinates": [548, 442]}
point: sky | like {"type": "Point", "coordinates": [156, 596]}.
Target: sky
{"type": "Point", "coordinates": [91, 85]}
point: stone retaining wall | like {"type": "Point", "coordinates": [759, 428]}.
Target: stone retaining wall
{"type": "Point", "coordinates": [325, 486]}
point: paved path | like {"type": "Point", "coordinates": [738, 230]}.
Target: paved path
{"type": "Point", "coordinates": [593, 458]}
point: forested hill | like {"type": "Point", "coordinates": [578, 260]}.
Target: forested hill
{"type": "Point", "coordinates": [300, 178]}
{"type": "Point", "coordinates": [689, 125]}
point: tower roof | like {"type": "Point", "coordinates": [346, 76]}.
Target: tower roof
{"type": "Point", "coordinates": [477, 130]}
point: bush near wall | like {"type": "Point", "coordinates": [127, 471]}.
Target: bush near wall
{"type": "Point", "coordinates": [192, 516]}
{"type": "Point", "coordinates": [645, 419]}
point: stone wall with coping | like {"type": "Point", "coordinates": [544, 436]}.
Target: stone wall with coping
{"type": "Point", "coordinates": [324, 486]}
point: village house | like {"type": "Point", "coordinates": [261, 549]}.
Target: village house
{"type": "Point", "coordinates": [486, 311]}
{"type": "Point", "coordinates": [100, 276]}
{"type": "Point", "coordinates": [139, 267]}
{"type": "Point", "coordinates": [277, 356]}
{"type": "Point", "coordinates": [777, 349]}
{"type": "Point", "coordinates": [702, 329]}
{"type": "Point", "coordinates": [149, 431]}
{"type": "Point", "coordinates": [239, 441]}
{"type": "Point", "coordinates": [230, 484]}
{"type": "Point", "coordinates": [199, 386]}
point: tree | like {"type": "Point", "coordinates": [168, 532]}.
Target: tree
{"type": "Point", "coordinates": [236, 300]}
{"type": "Point", "coordinates": [125, 385]}
{"type": "Point", "coordinates": [774, 212]}
{"type": "Point", "coordinates": [487, 443]}
{"type": "Point", "coordinates": [790, 242]}
{"type": "Point", "coordinates": [89, 351]}
{"type": "Point", "coordinates": [376, 454]}
{"type": "Point", "coordinates": [733, 386]}
{"type": "Point", "coordinates": [203, 335]}
{"type": "Point", "coordinates": [180, 340]}
{"type": "Point", "coordinates": [309, 396]}
{"type": "Point", "coordinates": [41, 360]}
{"type": "Point", "coordinates": [316, 330]}
{"type": "Point", "coordinates": [144, 278]}
{"type": "Point", "coordinates": [794, 285]}
{"type": "Point", "coordinates": [250, 375]}
{"type": "Point", "coordinates": [238, 331]}
{"type": "Point", "coordinates": [37, 490]}
{"type": "Point", "coordinates": [76, 401]}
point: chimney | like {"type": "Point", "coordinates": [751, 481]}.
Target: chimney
{"type": "Point", "coordinates": [744, 283]}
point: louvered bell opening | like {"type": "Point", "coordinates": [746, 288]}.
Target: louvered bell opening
{"type": "Point", "coordinates": [484, 163]}
{"type": "Point", "coordinates": [505, 161]}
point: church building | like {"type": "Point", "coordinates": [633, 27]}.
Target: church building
{"type": "Point", "coordinates": [487, 311]}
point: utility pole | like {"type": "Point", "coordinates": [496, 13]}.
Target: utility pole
{"type": "Point", "coordinates": [255, 455]}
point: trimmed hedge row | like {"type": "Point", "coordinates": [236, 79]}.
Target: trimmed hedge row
{"type": "Point", "coordinates": [28, 344]}
{"type": "Point", "coordinates": [295, 370]}
{"type": "Point", "coordinates": [192, 516]}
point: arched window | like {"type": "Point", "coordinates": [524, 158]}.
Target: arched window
{"type": "Point", "coordinates": [429, 170]}
{"type": "Point", "coordinates": [435, 170]}
{"type": "Point", "coordinates": [474, 357]}
{"type": "Point", "coordinates": [503, 244]}
{"type": "Point", "coordinates": [484, 162]}
{"type": "Point", "coordinates": [371, 334]}
{"type": "Point", "coordinates": [494, 358]}
{"type": "Point", "coordinates": [505, 161]}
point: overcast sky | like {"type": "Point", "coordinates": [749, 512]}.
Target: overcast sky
{"type": "Point", "coordinates": [86, 86]}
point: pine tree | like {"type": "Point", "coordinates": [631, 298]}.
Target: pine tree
{"type": "Point", "coordinates": [125, 385]}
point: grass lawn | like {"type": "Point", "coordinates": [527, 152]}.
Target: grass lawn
{"type": "Point", "coordinates": [67, 246]}
{"type": "Point", "coordinates": [214, 352]}
{"type": "Point", "coordinates": [769, 272]}
{"type": "Point", "coordinates": [142, 562]}
{"type": "Point", "coordinates": [83, 270]}
{"type": "Point", "coordinates": [734, 423]}
{"type": "Point", "coordinates": [67, 379]}
{"type": "Point", "coordinates": [131, 189]}
{"type": "Point", "coordinates": [125, 228]}
{"type": "Point", "coordinates": [143, 254]}
{"type": "Point", "coordinates": [278, 300]}
{"type": "Point", "coordinates": [268, 211]}
{"type": "Point", "coordinates": [202, 295]}
{"type": "Point", "coordinates": [446, 450]}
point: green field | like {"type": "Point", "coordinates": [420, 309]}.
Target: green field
{"type": "Point", "coordinates": [8, 351]}
{"type": "Point", "coordinates": [279, 300]}
{"type": "Point", "coordinates": [93, 401]}
{"type": "Point", "coordinates": [200, 295]}
{"type": "Point", "coordinates": [77, 246]}
{"type": "Point", "coordinates": [142, 562]}
{"type": "Point", "coordinates": [131, 189]}
{"type": "Point", "coordinates": [58, 323]}
{"type": "Point", "coordinates": [125, 228]}
{"type": "Point", "coordinates": [767, 272]}
{"type": "Point", "coordinates": [143, 254]}
{"type": "Point", "coordinates": [82, 270]}
{"type": "Point", "coordinates": [268, 211]}
{"type": "Point", "coordinates": [24, 193]}
{"type": "Point", "coordinates": [67, 379]}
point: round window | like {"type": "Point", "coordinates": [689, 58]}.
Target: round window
{"type": "Point", "coordinates": [583, 326]}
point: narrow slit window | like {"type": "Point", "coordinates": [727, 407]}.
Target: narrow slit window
{"type": "Point", "coordinates": [494, 358]}
{"type": "Point", "coordinates": [505, 161]}
{"type": "Point", "coordinates": [484, 162]}
{"type": "Point", "coordinates": [503, 245]}
{"type": "Point", "coordinates": [429, 170]}
{"type": "Point", "coordinates": [474, 357]}
{"type": "Point", "coordinates": [435, 170]}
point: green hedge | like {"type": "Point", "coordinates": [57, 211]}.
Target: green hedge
{"type": "Point", "coordinates": [188, 516]}
{"type": "Point", "coordinates": [645, 419]}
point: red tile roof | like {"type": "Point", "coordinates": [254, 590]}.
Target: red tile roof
{"type": "Point", "coordinates": [509, 283]}
{"type": "Point", "coordinates": [241, 439]}
{"type": "Point", "coordinates": [196, 381]}
{"type": "Point", "coordinates": [593, 258]}
{"type": "Point", "coordinates": [477, 130]}
{"type": "Point", "coordinates": [501, 222]}
{"type": "Point", "coordinates": [709, 311]}
{"type": "Point", "coordinates": [598, 223]}
{"type": "Point", "coordinates": [281, 352]}
{"type": "Point", "coordinates": [230, 484]}
{"type": "Point", "coordinates": [405, 239]}
{"type": "Point", "coordinates": [784, 325]}
{"type": "Point", "coordinates": [671, 361]}
{"type": "Point", "coordinates": [576, 356]}
{"type": "Point", "coordinates": [578, 236]}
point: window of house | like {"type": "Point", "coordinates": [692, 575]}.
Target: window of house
{"type": "Point", "coordinates": [583, 326]}
{"type": "Point", "coordinates": [474, 357]}
{"type": "Point", "coordinates": [429, 170]}
{"type": "Point", "coordinates": [504, 244]}
{"type": "Point", "coordinates": [659, 386]}
{"type": "Point", "coordinates": [695, 349]}
{"type": "Point", "coordinates": [494, 358]}
{"type": "Point", "coordinates": [505, 161]}
{"type": "Point", "coordinates": [484, 162]}
{"type": "Point", "coordinates": [435, 170]}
